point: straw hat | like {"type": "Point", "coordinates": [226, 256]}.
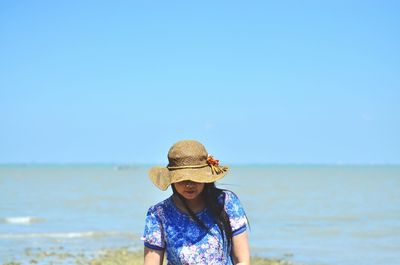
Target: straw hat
{"type": "Point", "coordinates": [188, 160]}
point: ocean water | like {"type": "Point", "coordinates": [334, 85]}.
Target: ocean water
{"type": "Point", "coordinates": [333, 215]}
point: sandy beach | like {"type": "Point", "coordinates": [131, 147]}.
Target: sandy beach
{"type": "Point", "coordinates": [119, 256]}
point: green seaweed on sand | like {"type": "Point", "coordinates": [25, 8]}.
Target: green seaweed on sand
{"type": "Point", "coordinates": [120, 256]}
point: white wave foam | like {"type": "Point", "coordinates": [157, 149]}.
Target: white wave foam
{"type": "Point", "coordinates": [21, 220]}
{"type": "Point", "coordinates": [48, 235]}
{"type": "Point", "coordinates": [67, 235]}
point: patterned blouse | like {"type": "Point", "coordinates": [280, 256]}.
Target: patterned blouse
{"type": "Point", "coordinates": [185, 242]}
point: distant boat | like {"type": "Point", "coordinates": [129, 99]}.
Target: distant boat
{"type": "Point", "coordinates": [125, 167]}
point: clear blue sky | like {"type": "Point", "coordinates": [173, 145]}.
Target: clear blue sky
{"type": "Point", "coordinates": [255, 81]}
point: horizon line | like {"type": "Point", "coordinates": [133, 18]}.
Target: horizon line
{"type": "Point", "coordinates": [117, 164]}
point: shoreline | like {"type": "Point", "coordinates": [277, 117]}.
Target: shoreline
{"type": "Point", "coordinates": [117, 256]}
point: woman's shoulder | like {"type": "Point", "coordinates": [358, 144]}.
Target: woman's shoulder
{"type": "Point", "coordinates": [228, 195]}
{"type": "Point", "coordinates": [160, 206]}
{"type": "Point", "coordinates": [228, 198]}
{"type": "Point", "coordinates": [236, 213]}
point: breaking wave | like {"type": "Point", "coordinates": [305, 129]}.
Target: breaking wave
{"type": "Point", "coordinates": [22, 220]}
{"type": "Point", "coordinates": [66, 235]}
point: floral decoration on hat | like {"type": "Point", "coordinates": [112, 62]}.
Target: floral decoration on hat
{"type": "Point", "coordinates": [214, 164]}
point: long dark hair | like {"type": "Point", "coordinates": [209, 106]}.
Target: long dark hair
{"type": "Point", "coordinates": [215, 204]}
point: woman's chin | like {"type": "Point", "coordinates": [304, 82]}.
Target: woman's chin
{"type": "Point", "coordinates": [190, 196]}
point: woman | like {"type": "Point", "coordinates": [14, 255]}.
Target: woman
{"type": "Point", "coordinates": [199, 223]}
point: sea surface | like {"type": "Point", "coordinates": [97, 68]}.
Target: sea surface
{"type": "Point", "coordinates": [332, 215]}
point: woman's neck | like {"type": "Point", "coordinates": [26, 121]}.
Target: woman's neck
{"type": "Point", "coordinates": [196, 205]}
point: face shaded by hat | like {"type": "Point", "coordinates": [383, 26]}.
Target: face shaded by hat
{"type": "Point", "coordinates": [188, 160]}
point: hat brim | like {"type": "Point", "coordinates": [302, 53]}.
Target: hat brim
{"type": "Point", "coordinates": [163, 177]}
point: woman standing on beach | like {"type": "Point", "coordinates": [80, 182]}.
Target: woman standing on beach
{"type": "Point", "coordinates": [199, 223]}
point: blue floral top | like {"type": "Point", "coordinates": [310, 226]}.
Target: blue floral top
{"type": "Point", "coordinates": [185, 242]}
